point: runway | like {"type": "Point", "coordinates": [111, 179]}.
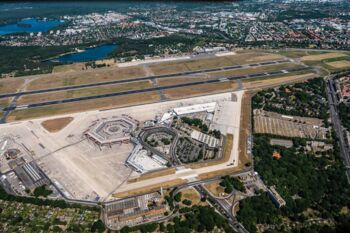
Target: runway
{"type": "Point", "coordinates": [70, 100]}
{"type": "Point", "coordinates": [7, 95]}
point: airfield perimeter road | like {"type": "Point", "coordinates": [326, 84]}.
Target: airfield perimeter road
{"type": "Point", "coordinates": [6, 95]}
{"type": "Point", "coordinates": [69, 100]}
{"type": "Point", "coordinates": [338, 128]}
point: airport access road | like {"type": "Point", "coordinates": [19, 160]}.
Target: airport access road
{"type": "Point", "coordinates": [66, 88]}
{"type": "Point", "coordinates": [337, 125]}
{"type": "Point", "coordinates": [71, 100]}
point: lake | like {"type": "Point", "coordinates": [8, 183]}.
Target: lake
{"type": "Point", "coordinates": [89, 54]}
{"type": "Point", "coordinates": [29, 25]}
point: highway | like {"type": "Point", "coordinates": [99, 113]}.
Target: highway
{"type": "Point", "coordinates": [337, 126]}
{"type": "Point", "coordinates": [70, 100]}
{"type": "Point", "coordinates": [7, 95]}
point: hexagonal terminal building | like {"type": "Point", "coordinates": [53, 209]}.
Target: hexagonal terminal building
{"type": "Point", "coordinates": [112, 131]}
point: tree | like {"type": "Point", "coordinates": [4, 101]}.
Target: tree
{"type": "Point", "coordinates": [178, 196]}
{"type": "Point", "coordinates": [98, 226]}
{"type": "Point", "coordinates": [187, 202]}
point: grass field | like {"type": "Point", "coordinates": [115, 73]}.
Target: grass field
{"type": "Point", "coordinates": [212, 62]}
{"type": "Point", "coordinates": [192, 195]}
{"type": "Point", "coordinates": [84, 92]}
{"type": "Point", "coordinates": [177, 80]}
{"type": "Point", "coordinates": [258, 69]}
{"type": "Point", "coordinates": [57, 124]}
{"type": "Point", "coordinates": [323, 56]}
{"type": "Point", "coordinates": [85, 77]}
{"type": "Point", "coordinates": [178, 93]}
{"type": "Point", "coordinates": [216, 189]}
{"type": "Point", "coordinates": [68, 68]}
{"type": "Point", "coordinates": [276, 81]}
{"type": "Point", "coordinates": [339, 64]}
{"type": "Point", "coordinates": [299, 53]}
{"type": "Point", "coordinates": [4, 102]}
{"type": "Point", "coordinates": [104, 103]}
{"type": "Point", "coordinates": [9, 85]}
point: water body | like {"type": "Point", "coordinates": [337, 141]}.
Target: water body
{"type": "Point", "coordinates": [29, 25]}
{"type": "Point", "coordinates": [90, 54]}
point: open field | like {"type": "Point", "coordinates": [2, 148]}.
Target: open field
{"type": "Point", "coordinates": [149, 188]}
{"type": "Point", "coordinates": [178, 93]}
{"type": "Point", "coordinates": [9, 85]}
{"type": "Point", "coordinates": [85, 77]}
{"type": "Point", "coordinates": [4, 102]}
{"type": "Point", "coordinates": [299, 53]}
{"type": "Point", "coordinates": [213, 62]}
{"type": "Point", "coordinates": [339, 64]}
{"type": "Point", "coordinates": [117, 101]}
{"type": "Point", "coordinates": [276, 81]}
{"type": "Point", "coordinates": [83, 92]}
{"type": "Point", "coordinates": [55, 125]}
{"type": "Point", "coordinates": [177, 80]}
{"type": "Point", "coordinates": [69, 67]}
{"type": "Point", "coordinates": [251, 70]}
{"type": "Point", "coordinates": [321, 57]}
{"type": "Point", "coordinates": [192, 195]}
{"type": "Point", "coordinates": [216, 189]}
{"type": "Point", "coordinates": [168, 68]}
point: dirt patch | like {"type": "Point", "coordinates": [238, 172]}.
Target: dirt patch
{"type": "Point", "coordinates": [9, 85]}
{"type": "Point", "coordinates": [57, 124]}
{"type": "Point", "coordinates": [339, 64]}
{"type": "Point", "coordinates": [321, 57]}
{"type": "Point", "coordinates": [216, 189]}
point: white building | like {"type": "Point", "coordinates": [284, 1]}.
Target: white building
{"type": "Point", "coordinates": [143, 163]}
{"type": "Point", "coordinates": [207, 107]}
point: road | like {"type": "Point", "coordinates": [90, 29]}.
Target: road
{"type": "Point", "coordinates": [224, 207]}
{"type": "Point", "coordinates": [337, 126]}
{"type": "Point", "coordinates": [152, 77]}
{"type": "Point", "coordinates": [70, 100]}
